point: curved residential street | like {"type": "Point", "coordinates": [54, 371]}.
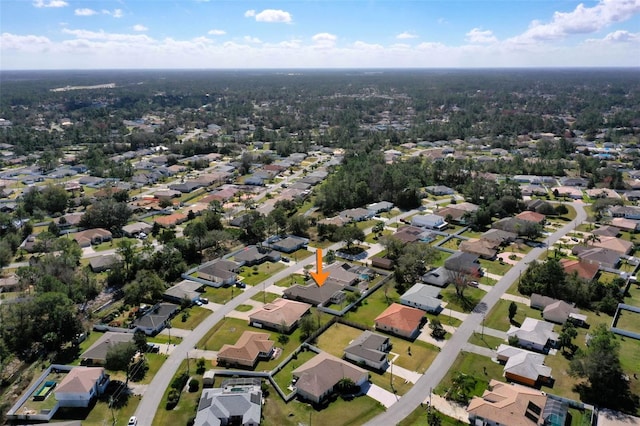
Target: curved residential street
{"type": "Point", "coordinates": [420, 391]}
{"type": "Point", "coordinates": [443, 362]}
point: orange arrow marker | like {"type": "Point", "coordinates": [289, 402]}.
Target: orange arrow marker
{"type": "Point", "coordinates": [319, 277]}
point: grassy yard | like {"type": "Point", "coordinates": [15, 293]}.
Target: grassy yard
{"type": "Point", "coordinates": [101, 411]}
{"type": "Point", "coordinates": [265, 297]}
{"type": "Point", "coordinates": [373, 238]}
{"type": "Point", "coordinates": [186, 407]}
{"type": "Point", "coordinates": [486, 341]}
{"type": "Point", "coordinates": [291, 280]}
{"type": "Point", "coordinates": [495, 267]}
{"type": "Point", "coordinates": [338, 413]}
{"type": "Point", "coordinates": [220, 295]}
{"type": "Point", "coordinates": [472, 365]}
{"type": "Point", "coordinates": [415, 356]}
{"type": "Point", "coordinates": [442, 256]}
{"type": "Point", "coordinates": [258, 273]}
{"type": "Point", "coordinates": [226, 331]}
{"type": "Point", "coordinates": [299, 255]}
{"type": "Point", "coordinates": [195, 315]}
{"type": "Point", "coordinates": [472, 297]}
{"type": "Point", "coordinates": [244, 308]}
{"type": "Point", "coordinates": [336, 338]}
{"type": "Point", "coordinates": [162, 338]}
{"type": "Point", "coordinates": [373, 306]}
{"type": "Point", "coordinates": [498, 318]}
{"type": "Point", "coordinates": [452, 244]}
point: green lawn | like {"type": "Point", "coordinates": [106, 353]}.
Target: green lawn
{"type": "Point", "coordinates": [495, 267]}
{"type": "Point", "coordinates": [291, 280]}
{"type": "Point", "coordinates": [336, 338]}
{"type": "Point", "coordinates": [226, 331]}
{"type": "Point", "coordinates": [415, 356]}
{"type": "Point", "coordinates": [473, 365]}
{"type": "Point", "coordinates": [101, 412]}
{"type": "Point", "coordinates": [220, 295]}
{"type": "Point", "coordinates": [373, 238]}
{"type": "Point", "coordinates": [498, 318]}
{"type": "Point", "coordinates": [399, 387]}
{"type": "Point", "coordinates": [162, 338]}
{"type": "Point", "coordinates": [195, 315]}
{"type": "Point", "coordinates": [472, 297]}
{"type": "Point", "coordinates": [186, 407]}
{"type": "Point", "coordinates": [256, 274]}
{"type": "Point", "coordinates": [373, 306]}
{"type": "Point", "coordinates": [265, 297]}
{"type": "Point", "coordinates": [244, 308]}
{"type": "Point", "coordinates": [580, 417]}
{"type": "Point", "coordinates": [338, 413]}
{"type": "Point", "coordinates": [452, 243]}
{"type": "Point", "coordinates": [485, 341]}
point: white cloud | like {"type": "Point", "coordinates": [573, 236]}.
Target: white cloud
{"type": "Point", "coordinates": [442, 21]}
{"type": "Point", "coordinates": [406, 35]}
{"type": "Point", "coordinates": [270, 15]}
{"type": "Point", "coordinates": [116, 13]}
{"type": "Point", "coordinates": [582, 20]}
{"type": "Point", "coordinates": [253, 40]}
{"type": "Point", "coordinates": [368, 46]}
{"type": "Point", "coordinates": [478, 36]}
{"type": "Point", "coordinates": [140, 28]}
{"type": "Point", "coordinates": [102, 35]}
{"type": "Point", "coordinates": [84, 12]}
{"type": "Point", "coordinates": [324, 40]}
{"type": "Point", "coordinates": [619, 36]}
{"type": "Point", "coordinates": [216, 32]}
{"type": "Point", "coordinates": [50, 3]}
{"type": "Point", "coordinates": [28, 43]}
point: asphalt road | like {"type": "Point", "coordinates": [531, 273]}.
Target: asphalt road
{"type": "Point", "coordinates": [443, 362]}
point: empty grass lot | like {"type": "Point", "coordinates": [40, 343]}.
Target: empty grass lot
{"type": "Point", "coordinates": [338, 413]}
{"type": "Point", "coordinates": [495, 267]}
{"type": "Point", "coordinates": [253, 275]}
{"type": "Point", "coordinates": [220, 295]}
{"type": "Point", "coordinates": [373, 306]}
{"type": "Point", "coordinates": [498, 318]}
{"type": "Point", "coordinates": [628, 320]}
{"type": "Point", "coordinates": [472, 297]}
{"type": "Point", "coordinates": [485, 341]}
{"type": "Point", "coordinates": [265, 297]}
{"type": "Point", "coordinates": [291, 280]}
{"type": "Point", "coordinates": [472, 365]}
{"type": "Point", "coordinates": [196, 315]}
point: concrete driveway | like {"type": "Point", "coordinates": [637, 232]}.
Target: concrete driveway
{"type": "Point", "coordinates": [383, 396]}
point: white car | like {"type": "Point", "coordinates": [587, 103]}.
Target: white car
{"type": "Point", "coordinates": [133, 421]}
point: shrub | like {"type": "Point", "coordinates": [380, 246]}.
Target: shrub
{"type": "Point", "coordinates": [194, 385]}
{"type": "Point", "coordinates": [173, 398]}
{"type": "Point", "coordinates": [180, 381]}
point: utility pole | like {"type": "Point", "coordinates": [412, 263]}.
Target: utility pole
{"type": "Point", "coordinates": [483, 326]}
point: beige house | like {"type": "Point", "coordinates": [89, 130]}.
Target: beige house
{"type": "Point", "coordinates": [281, 314]}
{"type": "Point", "coordinates": [80, 386]}
{"type": "Point", "coordinates": [250, 347]}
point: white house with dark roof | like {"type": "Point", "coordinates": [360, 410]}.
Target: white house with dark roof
{"type": "Point", "coordinates": [235, 403]}
{"type": "Point", "coordinates": [535, 335]}
{"type": "Point", "coordinates": [422, 296]}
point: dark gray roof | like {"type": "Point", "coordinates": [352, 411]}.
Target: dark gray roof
{"type": "Point", "coordinates": [311, 293]}
{"type": "Point", "coordinates": [367, 346]}
{"type": "Point", "coordinates": [98, 351]}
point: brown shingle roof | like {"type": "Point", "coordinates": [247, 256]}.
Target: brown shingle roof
{"type": "Point", "coordinates": [247, 348]}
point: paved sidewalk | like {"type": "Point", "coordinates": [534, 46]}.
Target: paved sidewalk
{"type": "Point", "coordinates": [493, 276]}
{"type": "Point", "coordinates": [480, 350]}
{"type": "Point", "coordinates": [491, 332]}
{"type": "Point", "coordinates": [445, 313]}
{"type": "Point", "coordinates": [383, 396]}
{"type": "Point", "coordinates": [513, 297]}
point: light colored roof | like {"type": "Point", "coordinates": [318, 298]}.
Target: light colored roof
{"type": "Point", "coordinates": [523, 363]}
{"type": "Point", "coordinates": [608, 417]}
{"type": "Point", "coordinates": [248, 347]}
{"type": "Point", "coordinates": [615, 244]}
{"type": "Point", "coordinates": [535, 331]}
{"type": "Point", "coordinates": [423, 294]}
{"type": "Point", "coordinates": [509, 404]}
{"type": "Point", "coordinates": [531, 216]}
{"type": "Point", "coordinates": [281, 311]}
{"type": "Point", "coordinates": [583, 269]}
{"type": "Point", "coordinates": [322, 372]}
{"type": "Point", "coordinates": [479, 246]}
{"type": "Point", "coordinates": [184, 289]}
{"type": "Point", "coordinates": [400, 317]}
{"type": "Point", "coordinates": [80, 380]}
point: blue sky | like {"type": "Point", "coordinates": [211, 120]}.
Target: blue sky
{"type": "Point", "coordinates": [63, 34]}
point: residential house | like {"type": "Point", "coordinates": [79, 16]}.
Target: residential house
{"type": "Point", "coordinates": [436, 277]}
{"type": "Point", "coordinates": [250, 347]}
{"type": "Point", "coordinates": [186, 187]}
{"type": "Point", "coordinates": [185, 290]}
{"type": "Point", "coordinates": [170, 220]}
{"type": "Point", "coordinates": [613, 243]}
{"type": "Point", "coordinates": [282, 315]}
{"type": "Point", "coordinates": [625, 224]}
{"type": "Point", "coordinates": [596, 255]}
{"type": "Point", "coordinates": [135, 229]}
{"type": "Point", "coordinates": [422, 296]}
{"type": "Point", "coordinates": [237, 402]}
{"type": "Point", "coordinates": [156, 319]}
{"type": "Point", "coordinates": [318, 377]}
{"type": "Point", "coordinates": [529, 190]}
{"type": "Point", "coordinates": [409, 234]}
{"type": "Point", "coordinates": [511, 224]}
{"type": "Point", "coordinates": [382, 263]}
{"type": "Point", "coordinates": [92, 236]}
{"type": "Point", "coordinates": [574, 181]}
{"type": "Point", "coordinates": [400, 320]}
{"type": "Point", "coordinates": [330, 292]}
{"type": "Point", "coordinates": [382, 206]}
{"type": "Point", "coordinates": [9, 283]}
{"type": "Point", "coordinates": [557, 311]}
{"type": "Point", "coordinates": [602, 193]}
{"type": "Point", "coordinates": [524, 366]}
{"type": "Point", "coordinates": [220, 272]}
{"type": "Point", "coordinates": [97, 353]}
{"type": "Point", "coordinates": [356, 215]}
{"type": "Point", "coordinates": [632, 195]}
{"type": "Point", "coordinates": [369, 349]}
{"type": "Point", "coordinates": [103, 263]}
{"type": "Point", "coordinates": [439, 190]}
{"type": "Point", "coordinates": [535, 335]}
{"type": "Point", "coordinates": [340, 273]}
{"type": "Point", "coordinates": [483, 248]}
{"type": "Point", "coordinates": [606, 231]}
{"type": "Point", "coordinates": [81, 386]}
{"type": "Point", "coordinates": [254, 255]}
{"type": "Point", "coordinates": [568, 191]}
{"type": "Point", "coordinates": [499, 237]}
{"type": "Point", "coordinates": [529, 216]}
{"type": "Point", "coordinates": [289, 244]}
{"type": "Point", "coordinates": [70, 220]}
{"type": "Point", "coordinates": [465, 263]}
{"type": "Point", "coordinates": [515, 405]}
{"type": "Point", "coordinates": [628, 212]}
{"type": "Point", "coordinates": [429, 221]}
{"type": "Point", "coordinates": [585, 270]}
